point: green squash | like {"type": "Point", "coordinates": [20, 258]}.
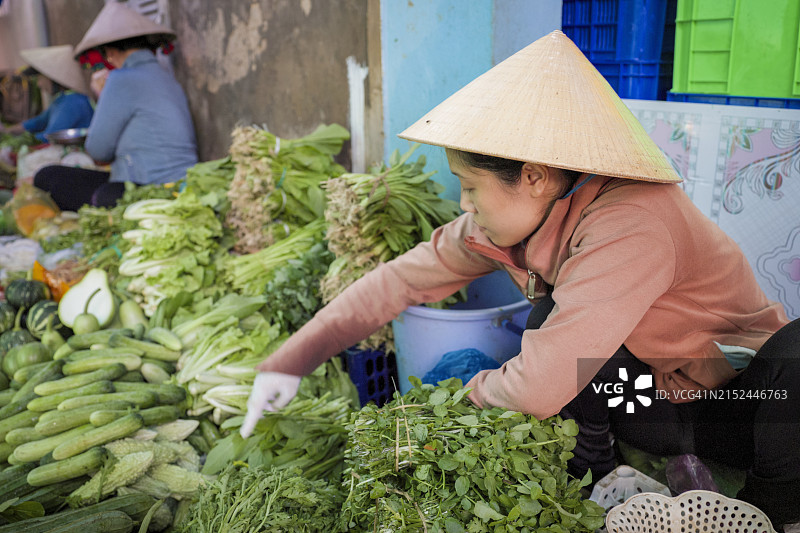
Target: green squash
{"type": "Point", "coordinates": [7, 316]}
{"type": "Point", "coordinates": [23, 293]}
{"type": "Point", "coordinates": [39, 315]}
{"type": "Point", "coordinates": [24, 355]}
{"type": "Point", "coordinates": [15, 337]}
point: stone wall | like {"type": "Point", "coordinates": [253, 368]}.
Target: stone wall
{"type": "Point", "coordinates": [277, 63]}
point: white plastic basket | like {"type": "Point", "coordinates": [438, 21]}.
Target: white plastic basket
{"type": "Point", "coordinates": [622, 483]}
{"type": "Point", "coordinates": [700, 511]}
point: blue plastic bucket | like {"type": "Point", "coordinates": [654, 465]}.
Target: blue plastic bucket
{"type": "Point", "coordinates": [485, 322]}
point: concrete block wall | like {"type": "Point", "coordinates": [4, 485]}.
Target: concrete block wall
{"type": "Point", "coordinates": [432, 48]}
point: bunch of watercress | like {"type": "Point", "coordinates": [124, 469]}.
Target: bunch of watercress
{"type": "Point", "coordinates": [430, 460]}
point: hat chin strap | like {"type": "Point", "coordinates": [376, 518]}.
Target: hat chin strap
{"type": "Point", "coordinates": [578, 186]}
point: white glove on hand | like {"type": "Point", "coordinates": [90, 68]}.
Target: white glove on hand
{"type": "Point", "coordinates": [271, 391]}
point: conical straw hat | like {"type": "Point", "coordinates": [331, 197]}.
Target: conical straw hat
{"type": "Point", "coordinates": [116, 22]}
{"type": "Point", "coordinates": [58, 64]}
{"type": "Point", "coordinates": [546, 104]}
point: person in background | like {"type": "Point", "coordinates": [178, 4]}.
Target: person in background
{"type": "Point", "coordinates": [142, 125]}
{"type": "Point", "coordinates": [563, 189]}
{"type": "Point", "coordinates": [61, 76]}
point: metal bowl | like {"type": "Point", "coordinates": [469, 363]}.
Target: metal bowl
{"type": "Point", "coordinates": [70, 136]}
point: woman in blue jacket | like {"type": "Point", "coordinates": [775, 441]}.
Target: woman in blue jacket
{"type": "Point", "coordinates": [60, 75]}
{"type": "Point", "coordinates": [142, 125]}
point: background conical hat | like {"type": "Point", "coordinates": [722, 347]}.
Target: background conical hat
{"type": "Point", "coordinates": [116, 22]}
{"type": "Point", "coordinates": [546, 104]}
{"type": "Point", "coordinates": [58, 64]}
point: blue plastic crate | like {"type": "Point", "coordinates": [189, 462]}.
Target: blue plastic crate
{"type": "Point", "coordinates": [631, 42]}
{"type": "Point", "coordinates": [576, 22]}
{"type": "Point", "coordinates": [724, 99]}
{"type": "Point", "coordinates": [618, 30]}
{"type": "Point", "coordinates": [632, 79]}
{"type": "Point", "coordinates": [374, 373]}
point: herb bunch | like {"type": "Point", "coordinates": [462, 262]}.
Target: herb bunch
{"type": "Point", "coordinates": [293, 292]}
{"type": "Point", "coordinates": [277, 182]}
{"type": "Point", "coordinates": [252, 499]}
{"type": "Point", "coordinates": [377, 216]}
{"type": "Point", "coordinates": [430, 461]}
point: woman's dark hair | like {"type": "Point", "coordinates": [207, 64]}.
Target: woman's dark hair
{"type": "Point", "coordinates": [147, 42]}
{"type": "Point", "coordinates": [509, 171]}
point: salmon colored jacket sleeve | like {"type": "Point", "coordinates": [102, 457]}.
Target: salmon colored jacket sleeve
{"type": "Point", "coordinates": [429, 272]}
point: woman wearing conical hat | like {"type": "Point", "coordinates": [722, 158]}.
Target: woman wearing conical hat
{"type": "Point", "coordinates": [141, 125]}
{"type": "Point", "coordinates": [633, 288]}
{"type": "Point", "coordinates": [61, 76]}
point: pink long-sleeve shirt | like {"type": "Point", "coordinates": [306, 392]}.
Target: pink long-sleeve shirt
{"type": "Point", "coordinates": [629, 262]}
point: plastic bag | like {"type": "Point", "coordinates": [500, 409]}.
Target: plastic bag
{"type": "Point", "coordinates": [687, 472]}
{"type": "Point", "coordinates": [28, 205]}
{"type": "Point", "coordinates": [59, 280]}
{"type": "Point", "coordinates": [462, 364]}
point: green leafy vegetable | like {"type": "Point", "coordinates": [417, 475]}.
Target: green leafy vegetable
{"type": "Point", "coordinates": [293, 293]}
{"type": "Point", "coordinates": [431, 460]}
{"type": "Point", "coordinates": [171, 251]}
{"type": "Point", "coordinates": [308, 434]}
{"type": "Point", "coordinates": [377, 216]}
{"type": "Point", "coordinates": [250, 273]}
{"type": "Point", "coordinates": [210, 181]}
{"type": "Point", "coordinates": [277, 182]}
{"type": "Point", "coordinates": [211, 312]}
{"type": "Point", "coordinates": [15, 142]}
{"type": "Point", "coordinates": [259, 499]}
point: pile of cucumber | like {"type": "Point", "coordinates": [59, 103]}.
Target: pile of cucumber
{"type": "Point", "coordinates": [62, 401]}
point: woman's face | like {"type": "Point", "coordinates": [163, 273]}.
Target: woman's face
{"type": "Point", "coordinates": [44, 83]}
{"type": "Point", "coordinates": [506, 214]}
{"type": "Point", "coordinates": [114, 57]}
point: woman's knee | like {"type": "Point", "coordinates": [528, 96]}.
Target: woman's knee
{"type": "Point", "coordinates": [45, 176]}
{"type": "Point", "coordinates": [784, 343]}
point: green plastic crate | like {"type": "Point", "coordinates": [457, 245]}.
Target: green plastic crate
{"type": "Point", "coordinates": [737, 47]}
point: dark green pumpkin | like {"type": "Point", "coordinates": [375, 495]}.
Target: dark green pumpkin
{"type": "Point", "coordinates": [38, 316]}
{"type": "Point", "coordinates": [23, 293]}
{"type": "Point", "coordinates": [16, 336]}
{"type": "Point", "coordinates": [7, 316]}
